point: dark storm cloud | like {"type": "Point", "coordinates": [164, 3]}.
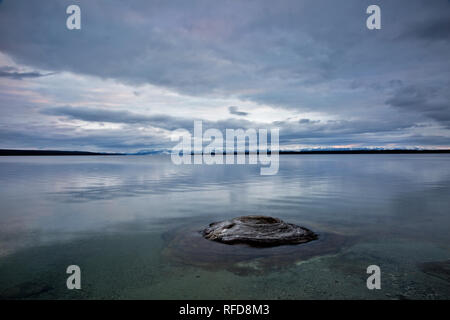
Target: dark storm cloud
{"type": "Point", "coordinates": [433, 102]}
{"type": "Point", "coordinates": [13, 73]}
{"type": "Point", "coordinates": [307, 121]}
{"type": "Point", "coordinates": [125, 117]}
{"type": "Point", "coordinates": [201, 47]}
{"type": "Point", "coordinates": [305, 56]}
{"type": "Point", "coordinates": [166, 122]}
{"type": "Point", "coordinates": [333, 131]}
{"type": "Point", "coordinates": [66, 139]}
{"type": "Point", "coordinates": [234, 110]}
{"type": "Point", "coordinates": [431, 30]}
{"type": "Point", "coordinates": [46, 133]}
{"type": "Point", "coordinates": [291, 130]}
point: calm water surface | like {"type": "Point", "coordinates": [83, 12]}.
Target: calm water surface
{"type": "Point", "coordinates": [131, 224]}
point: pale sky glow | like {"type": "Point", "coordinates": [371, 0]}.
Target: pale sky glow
{"type": "Point", "coordinates": [134, 73]}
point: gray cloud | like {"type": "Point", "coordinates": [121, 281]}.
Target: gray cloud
{"type": "Point", "coordinates": [384, 86]}
{"type": "Point", "coordinates": [305, 131]}
{"type": "Point", "coordinates": [13, 73]}
{"type": "Point", "coordinates": [166, 122]}
{"type": "Point", "coordinates": [115, 116]}
{"type": "Point", "coordinates": [221, 48]}
{"type": "Point", "coordinates": [430, 30]}
{"type": "Point", "coordinates": [291, 131]}
{"type": "Point", "coordinates": [130, 140]}
{"type": "Point", "coordinates": [53, 137]}
{"type": "Point", "coordinates": [433, 102]}
{"type": "Point", "coordinates": [234, 110]}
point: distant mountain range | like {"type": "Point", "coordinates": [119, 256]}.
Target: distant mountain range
{"type": "Point", "coordinates": [12, 152]}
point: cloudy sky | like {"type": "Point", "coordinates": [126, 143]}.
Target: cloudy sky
{"type": "Point", "coordinates": [137, 70]}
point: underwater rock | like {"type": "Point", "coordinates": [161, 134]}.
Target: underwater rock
{"type": "Point", "coordinates": [186, 246]}
{"type": "Point", "coordinates": [258, 231]}
{"type": "Point", "coordinates": [438, 269]}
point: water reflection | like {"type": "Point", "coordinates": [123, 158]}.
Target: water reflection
{"type": "Point", "coordinates": [57, 201]}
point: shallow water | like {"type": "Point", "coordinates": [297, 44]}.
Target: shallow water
{"type": "Point", "coordinates": [131, 225]}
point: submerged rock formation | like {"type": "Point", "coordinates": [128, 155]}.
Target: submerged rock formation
{"type": "Point", "coordinates": [186, 245]}
{"type": "Point", "coordinates": [258, 231]}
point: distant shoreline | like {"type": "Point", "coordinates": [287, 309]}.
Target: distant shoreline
{"type": "Point", "coordinates": [365, 151]}
{"type": "Point", "coordinates": [11, 152]}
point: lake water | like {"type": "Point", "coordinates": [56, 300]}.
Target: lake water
{"type": "Point", "coordinates": [131, 223]}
